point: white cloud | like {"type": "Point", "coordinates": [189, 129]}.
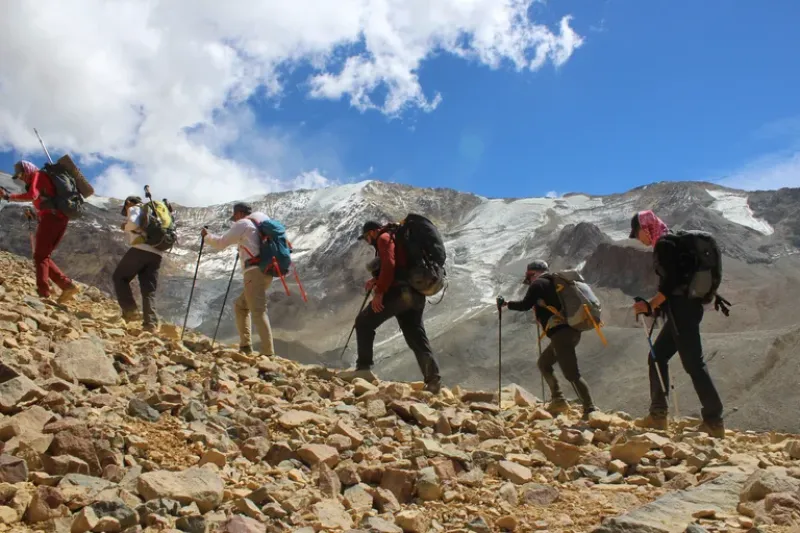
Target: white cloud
{"type": "Point", "coordinates": [162, 86]}
{"type": "Point", "coordinates": [552, 194]}
{"type": "Point", "coordinates": [767, 173]}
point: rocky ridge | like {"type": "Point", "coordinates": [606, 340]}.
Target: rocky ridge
{"type": "Point", "coordinates": [108, 428]}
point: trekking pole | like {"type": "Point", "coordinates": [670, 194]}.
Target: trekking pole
{"type": "Point", "coordinates": [43, 146]}
{"type": "Point", "coordinates": [224, 300]}
{"type": "Point", "coordinates": [500, 302]}
{"type": "Point", "coordinates": [30, 216]}
{"type": "Point", "coordinates": [191, 293]}
{"type": "Point", "coordinates": [671, 318]}
{"type": "Point", "coordinates": [650, 343]}
{"type": "Point", "coordinates": [539, 344]}
{"type": "Point", "coordinates": [354, 324]}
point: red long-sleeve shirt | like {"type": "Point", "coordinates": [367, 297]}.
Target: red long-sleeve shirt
{"type": "Point", "coordinates": [40, 184]}
{"type": "Point", "coordinates": [391, 257]}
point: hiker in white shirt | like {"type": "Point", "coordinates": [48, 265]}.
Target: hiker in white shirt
{"type": "Point", "coordinates": [141, 261]}
{"type": "Point", "coordinates": [253, 300]}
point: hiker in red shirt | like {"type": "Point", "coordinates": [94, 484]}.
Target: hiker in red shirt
{"type": "Point", "coordinates": [51, 229]}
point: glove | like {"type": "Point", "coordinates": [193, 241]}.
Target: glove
{"type": "Point", "coordinates": [721, 304]}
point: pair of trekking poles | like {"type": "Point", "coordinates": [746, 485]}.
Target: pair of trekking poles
{"type": "Point", "coordinates": [649, 336]}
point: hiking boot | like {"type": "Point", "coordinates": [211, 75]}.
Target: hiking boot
{"type": "Point", "coordinates": [132, 315]}
{"type": "Point", "coordinates": [653, 421]}
{"type": "Point", "coordinates": [151, 328]}
{"type": "Point", "coordinates": [246, 349]}
{"type": "Point", "coordinates": [68, 294]}
{"type": "Point", "coordinates": [434, 386]}
{"type": "Point", "coordinates": [364, 373]}
{"type": "Point", "coordinates": [714, 428]}
{"type": "Point", "coordinates": [557, 406]}
{"type": "Point", "coordinates": [587, 411]}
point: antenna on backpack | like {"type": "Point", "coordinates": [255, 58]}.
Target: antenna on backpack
{"type": "Point", "coordinates": [43, 146]}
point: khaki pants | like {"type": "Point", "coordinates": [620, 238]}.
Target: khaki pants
{"type": "Point", "coordinates": [253, 301]}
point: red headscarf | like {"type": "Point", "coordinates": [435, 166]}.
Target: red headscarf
{"type": "Point", "coordinates": [28, 169]}
{"type": "Point", "coordinates": [653, 225]}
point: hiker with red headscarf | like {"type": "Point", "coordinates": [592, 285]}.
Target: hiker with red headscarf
{"type": "Point", "coordinates": [52, 226]}
{"type": "Point", "coordinates": [680, 333]}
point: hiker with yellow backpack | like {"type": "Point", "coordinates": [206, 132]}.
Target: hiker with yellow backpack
{"type": "Point", "coordinates": [565, 306]}
{"type": "Point", "coordinates": [150, 229]}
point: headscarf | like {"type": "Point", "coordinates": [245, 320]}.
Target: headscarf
{"type": "Point", "coordinates": [28, 168]}
{"type": "Point", "coordinates": [653, 225]}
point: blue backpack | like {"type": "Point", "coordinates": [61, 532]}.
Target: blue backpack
{"type": "Point", "coordinates": [273, 245]}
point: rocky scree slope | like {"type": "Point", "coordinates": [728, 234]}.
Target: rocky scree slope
{"type": "Point", "coordinates": [489, 241]}
{"type": "Point", "coordinates": [108, 428]}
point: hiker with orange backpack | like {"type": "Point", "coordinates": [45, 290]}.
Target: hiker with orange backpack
{"type": "Point", "coordinates": [53, 223]}
{"type": "Point", "coordinates": [543, 299]}
{"type": "Point", "coordinates": [688, 264]}
{"type": "Point", "coordinates": [253, 300]}
{"type": "Point", "coordinates": [393, 297]}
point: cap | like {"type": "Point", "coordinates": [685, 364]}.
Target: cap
{"type": "Point", "coordinates": [136, 200]}
{"type": "Point", "coordinates": [369, 225]}
{"type": "Point", "coordinates": [241, 207]}
{"type": "Point", "coordinates": [538, 265]}
{"type": "Point", "coordinates": [634, 226]}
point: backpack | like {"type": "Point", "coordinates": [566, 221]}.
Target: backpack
{"type": "Point", "coordinates": [158, 225]}
{"type": "Point", "coordinates": [68, 198]}
{"type": "Point", "coordinates": [274, 245]}
{"type": "Point", "coordinates": [699, 264]}
{"type": "Point", "coordinates": [580, 307]}
{"type": "Point", "coordinates": [425, 254]}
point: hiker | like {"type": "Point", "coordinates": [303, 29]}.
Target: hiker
{"type": "Point", "coordinates": [393, 297]}
{"type": "Point", "coordinates": [253, 300]}
{"type": "Point", "coordinates": [541, 294]}
{"type": "Point", "coordinates": [681, 331]}
{"type": "Point", "coordinates": [142, 261]}
{"type": "Point", "coordinates": [51, 229]}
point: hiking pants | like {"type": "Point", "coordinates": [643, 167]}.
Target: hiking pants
{"type": "Point", "coordinates": [144, 265]}
{"type": "Point", "coordinates": [52, 227]}
{"type": "Point", "coordinates": [561, 350]}
{"type": "Point", "coordinates": [681, 333]}
{"type": "Point", "coordinates": [253, 303]}
{"type": "Point", "coordinates": [407, 306]}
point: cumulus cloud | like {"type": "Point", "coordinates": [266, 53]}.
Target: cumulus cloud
{"type": "Point", "coordinates": [159, 90]}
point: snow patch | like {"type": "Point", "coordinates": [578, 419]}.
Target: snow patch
{"type": "Point", "coordinates": [734, 207]}
{"type": "Point", "coordinates": [99, 201]}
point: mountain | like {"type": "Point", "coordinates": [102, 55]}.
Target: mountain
{"type": "Point", "coordinates": [489, 241]}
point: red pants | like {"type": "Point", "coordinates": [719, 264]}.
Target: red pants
{"type": "Point", "coordinates": [51, 230]}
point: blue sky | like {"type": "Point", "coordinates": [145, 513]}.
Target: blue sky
{"type": "Point", "coordinates": [657, 91]}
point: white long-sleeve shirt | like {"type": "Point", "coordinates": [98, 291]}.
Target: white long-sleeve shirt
{"type": "Point", "coordinates": [133, 230]}
{"type": "Point", "coordinates": [243, 233]}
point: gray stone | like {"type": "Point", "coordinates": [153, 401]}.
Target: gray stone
{"type": "Point", "coordinates": [140, 409]}
{"type": "Point", "coordinates": [672, 513]}
{"type": "Point", "coordinates": [86, 361]}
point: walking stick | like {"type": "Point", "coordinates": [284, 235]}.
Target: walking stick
{"type": "Point", "coordinates": [31, 217]}
{"type": "Point", "coordinates": [354, 324]}
{"type": "Point", "coordinates": [539, 344]}
{"type": "Point", "coordinates": [650, 343]}
{"type": "Point", "coordinates": [224, 300]}
{"type": "Point", "coordinates": [191, 293]}
{"type": "Point", "coordinates": [500, 302]}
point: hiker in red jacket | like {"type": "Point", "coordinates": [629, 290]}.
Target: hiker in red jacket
{"type": "Point", "coordinates": [51, 229]}
{"type": "Point", "coordinates": [393, 297]}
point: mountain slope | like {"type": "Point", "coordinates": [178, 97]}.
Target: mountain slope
{"type": "Point", "coordinates": [489, 241]}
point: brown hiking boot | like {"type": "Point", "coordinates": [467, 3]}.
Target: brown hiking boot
{"type": "Point", "coordinates": [68, 294]}
{"type": "Point", "coordinates": [712, 428]}
{"type": "Point", "coordinates": [247, 349]}
{"type": "Point", "coordinates": [652, 421]}
{"type": "Point", "coordinates": [350, 375]}
{"type": "Point", "coordinates": [151, 328]}
{"type": "Point", "coordinates": [557, 406]}
{"type": "Point", "coordinates": [131, 316]}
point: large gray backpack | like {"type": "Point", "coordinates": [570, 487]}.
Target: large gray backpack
{"type": "Point", "coordinates": [580, 307]}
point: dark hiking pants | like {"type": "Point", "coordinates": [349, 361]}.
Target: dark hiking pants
{"type": "Point", "coordinates": [144, 265]}
{"type": "Point", "coordinates": [561, 350]}
{"type": "Point", "coordinates": [681, 333]}
{"type": "Point", "coordinates": [406, 305]}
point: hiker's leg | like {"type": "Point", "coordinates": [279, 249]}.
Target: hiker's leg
{"type": "Point", "coordinates": [664, 348]}
{"type": "Point", "coordinates": [688, 315]}
{"type": "Point", "coordinates": [49, 233]}
{"type": "Point", "coordinates": [256, 284]}
{"type": "Point", "coordinates": [413, 329]}
{"type": "Point", "coordinates": [368, 321]}
{"type": "Point", "coordinates": [565, 341]}
{"type": "Point", "coordinates": [546, 362]}
{"type": "Point", "coordinates": [127, 268]}
{"type": "Point", "coordinates": [148, 284]}
{"type": "Point", "coordinates": [242, 314]}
